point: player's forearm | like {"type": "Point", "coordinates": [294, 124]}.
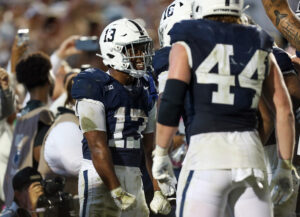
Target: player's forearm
{"type": "Point", "coordinates": [103, 164]}
{"type": "Point", "coordinates": [266, 126]}
{"type": "Point", "coordinates": [285, 134]}
{"type": "Point", "coordinates": [284, 20]}
{"type": "Point", "coordinates": [148, 159]}
{"type": "Point", "coordinates": [164, 135]}
{"type": "Point", "coordinates": [148, 142]}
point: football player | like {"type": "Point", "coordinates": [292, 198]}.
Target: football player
{"type": "Point", "coordinates": [177, 11]}
{"type": "Point", "coordinates": [224, 165]}
{"type": "Point", "coordinates": [287, 208]}
{"type": "Point", "coordinates": [117, 117]}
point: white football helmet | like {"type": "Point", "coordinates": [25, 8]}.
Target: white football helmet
{"type": "Point", "coordinates": [298, 10]}
{"type": "Point", "coordinates": [175, 12]}
{"type": "Point", "coordinates": [218, 7]}
{"type": "Point", "coordinates": [117, 43]}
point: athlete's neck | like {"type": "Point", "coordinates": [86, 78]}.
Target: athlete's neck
{"type": "Point", "coordinates": [121, 77]}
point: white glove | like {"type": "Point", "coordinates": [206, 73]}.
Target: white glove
{"type": "Point", "coordinates": [282, 182]}
{"type": "Point", "coordinates": [160, 204]}
{"type": "Point", "coordinates": [162, 171]}
{"type": "Point", "coordinates": [123, 199]}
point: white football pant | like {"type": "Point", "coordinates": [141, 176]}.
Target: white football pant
{"type": "Point", "coordinates": [207, 193]}
{"type": "Point", "coordinates": [95, 198]}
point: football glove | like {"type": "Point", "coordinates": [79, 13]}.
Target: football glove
{"type": "Point", "coordinates": [160, 204]}
{"type": "Point", "coordinates": [123, 199]}
{"type": "Point", "coordinates": [162, 171]}
{"type": "Point", "coordinates": [282, 182]}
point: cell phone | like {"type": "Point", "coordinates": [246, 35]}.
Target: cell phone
{"type": "Point", "coordinates": [23, 36]}
{"type": "Point", "coordinates": [86, 43]}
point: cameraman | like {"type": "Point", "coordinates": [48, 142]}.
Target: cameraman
{"type": "Point", "coordinates": [27, 189]}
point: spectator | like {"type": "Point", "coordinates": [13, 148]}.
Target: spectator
{"type": "Point", "coordinates": [60, 68]}
{"type": "Point", "coordinates": [6, 96]}
{"type": "Point", "coordinates": [63, 138]}
{"type": "Point", "coordinates": [7, 107]}
{"type": "Point", "coordinates": [27, 190]}
{"type": "Point", "coordinates": [34, 72]}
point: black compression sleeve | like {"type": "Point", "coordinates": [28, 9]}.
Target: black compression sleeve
{"type": "Point", "coordinates": [172, 102]}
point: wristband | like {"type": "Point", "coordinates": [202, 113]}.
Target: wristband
{"type": "Point", "coordinates": [115, 193]}
{"type": "Point", "coordinates": [288, 165]}
{"type": "Point", "coordinates": [159, 151]}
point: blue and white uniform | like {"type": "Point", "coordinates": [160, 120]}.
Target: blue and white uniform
{"type": "Point", "coordinates": [288, 208]}
{"type": "Point", "coordinates": [225, 160]}
{"type": "Point", "coordinates": [125, 113]}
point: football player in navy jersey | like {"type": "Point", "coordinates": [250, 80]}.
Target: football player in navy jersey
{"type": "Point", "coordinates": [177, 11]}
{"type": "Point", "coordinates": [117, 115]}
{"type": "Point", "coordinates": [287, 208]}
{"type": "Point", "coordinates": [226, 67]}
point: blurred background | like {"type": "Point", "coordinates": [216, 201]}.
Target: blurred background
{"type": "Point", "coordinates": [52, 21]}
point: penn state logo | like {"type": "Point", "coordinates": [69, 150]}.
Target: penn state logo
{"type": "Point", "coordinates": [108, 87]}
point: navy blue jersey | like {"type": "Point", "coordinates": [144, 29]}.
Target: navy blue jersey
{"type": "Point", "coordinates": [160, 61]}
{"type": "Point", "coordinates": [228, 66]}
{"type": "Point", "coordinates": [284, 61]}
{"type": "Point", "coordinates": [152, 88]}
{"type": "Point", "coordinates": [126, 109]}
{"type": "Point", "coordinates": [160, 64]}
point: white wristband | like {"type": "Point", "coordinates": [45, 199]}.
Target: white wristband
{"type": "Point", "coordinates": [159, 151]}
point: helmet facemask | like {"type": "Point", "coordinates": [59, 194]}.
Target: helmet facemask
{"type": "Point", "coordinates": [137, 55]}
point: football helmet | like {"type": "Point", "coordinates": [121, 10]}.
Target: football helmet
{"type": "Point", "coordinates": [175, 12]}
{"type": "Point", "coordinates": [218, 7]}
{"type": "Point", "coordinates": [298, 10]}
{"type": "Point", "coordinates": [118, 45]}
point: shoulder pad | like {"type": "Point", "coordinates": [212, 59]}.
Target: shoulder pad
{"type": "Point", "coordinates": [96, 74]}
{"type": "Point", "coordinates": [149, 82]}
{"type": "Point", "coordinates": [266, 41]}
{"type": "Point", "coordinates": [204, 31]}
{"type": "Point", "coordinates": [180, 31]}
{"type": "Point", "coordinates": [89, 84]}
{"type": "Point", "coordinates": [283, 60]}
{"type": "Point", "coordinates": [160, 60]}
